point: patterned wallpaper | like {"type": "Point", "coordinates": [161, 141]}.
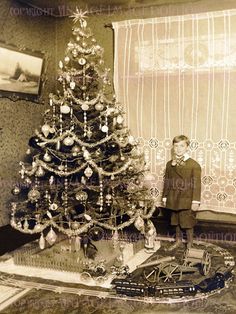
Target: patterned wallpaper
{"type": "Point", "coordinates": [19, 119]}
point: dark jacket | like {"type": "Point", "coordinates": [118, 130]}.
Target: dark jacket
{"type": "Point", "coordinates": [182, 184]}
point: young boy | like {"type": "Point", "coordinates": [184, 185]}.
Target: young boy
{"type": "Point", "coordinates": [182, 190]}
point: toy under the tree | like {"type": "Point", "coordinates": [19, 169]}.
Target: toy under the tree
{"type": "Point", "coordinates": [85, 169]}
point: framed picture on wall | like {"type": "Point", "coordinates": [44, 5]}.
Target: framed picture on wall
{"type": "Point", "coordinates": [21, 73]}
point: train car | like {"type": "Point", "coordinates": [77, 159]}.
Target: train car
{"type": "Point", "coordinates": [178, 289]}
{"type": "Point", "coordinates": [130, 288]}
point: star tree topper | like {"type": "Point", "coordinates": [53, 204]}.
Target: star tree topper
{"type": "Point", "coordinates": [79, 15]}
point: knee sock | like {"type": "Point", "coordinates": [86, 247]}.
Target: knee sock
{"type": "Point", "coordinates": [189, 233]}
{"type": "Point", "coordinates": [178, 235]}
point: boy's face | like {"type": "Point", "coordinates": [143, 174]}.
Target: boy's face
{"type": "Point", "coordinates": [180, 148]}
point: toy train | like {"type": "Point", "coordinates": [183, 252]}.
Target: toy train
{"type": "Point", "coordinates": [131, 288]}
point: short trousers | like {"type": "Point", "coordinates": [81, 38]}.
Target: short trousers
{"type": "Point", "coordinates": [185, 218]}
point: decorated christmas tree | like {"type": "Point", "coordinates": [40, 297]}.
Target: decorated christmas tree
{"type": "Point", "coordinates": [85, 171]}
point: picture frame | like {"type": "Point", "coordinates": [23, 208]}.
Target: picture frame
{"type": "Point", "coordinates": [21, 73]}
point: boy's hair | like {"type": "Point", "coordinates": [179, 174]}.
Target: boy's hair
{"type": "Point", "coordinates": [180, 138]}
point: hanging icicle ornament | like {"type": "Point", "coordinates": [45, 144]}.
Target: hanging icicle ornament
{"type": "Point", "coordinates": [89, 132]}
{"type": "Point", "coordinates": [86, 154]}
{"type": "Point", "coordinates": [58, 145]}
{"type": "Point", "coordinates": [87, 217]}
{"type": "Point", "coordinates": [26, 225]}
{"type": "Point", "coordinates": [51, 237]}
{"type": "Point", "coordinates": [42, 242]}
{"type": "Point", "coordinates": [115, 238]}
{"type": "Point", "coordinates": [51, 180]}
{"type": "Point", "coordinates": [60, 64]}
{"type": "Point", "coordinates": [85, 123]}
{"type": "Point", "coordinates": [101, 193]}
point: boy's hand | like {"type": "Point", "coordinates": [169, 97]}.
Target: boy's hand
{"type": "Point", "coordinates": [195, 207]}
{"type": "Point", "coordinates": [164, 202]}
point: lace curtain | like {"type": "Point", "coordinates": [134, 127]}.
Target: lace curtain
{"type": "Point", "coordinates": [176, 75]}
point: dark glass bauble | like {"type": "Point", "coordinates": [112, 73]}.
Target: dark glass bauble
{"type": "Point", "coordinates": [33, 142]}
{"type": "Point", "coordinates": [127, 148]}
{"type": "Point", "coordinates": [112, 147]}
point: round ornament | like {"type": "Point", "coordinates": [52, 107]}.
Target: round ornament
{"type": "Point", "coordinates": [28, 152]}
{"type": "Point", "coordinates": [85, 107]}
{"type": "Point", "coordinates": [33, 195]}
{"type": "Point", "coordinates": [96, 233]}
{"type": "Point", "coordinates": [74, 53]}
{"type": "Point", "coordinates": [68, 141]}
{"type": "Point", "coordinates": [67, 59]}
{"type": "Point", "coordinates": [72, 84]}
{"type": "Point", "coordinates": [52, 130]}
{"type": "Point", "coordinates": [75, 150]}
{"type": "Point", "coordinates": [28, 181]}
{"type": "Point", "coordinates": [47, 157]}
{"type": "Point", "coordinates": [15, 190]}
{"type": "Point", "coordinates": [65, 109]}
{"type": "Point", "coordinates": [104, 128]}
{"type": "Point", "coordinates": [86, 154]}
{"type": "Point", "coordinates": [33, 142]}
{"type": "Point", "coordinates": [108, 197]}
{"type": "Point", "coordinates": [53, 206]}
{"type": "Point", "coordinates": [40, 172]}
{"type": "Point", "coordinates": [119, 119]}
{"type": "Point", "coordinates": [82, 61]}
{"type": "Point", "coordinates": [61, 167]}
{"type": "Point", "coordinates": [41, 242]}
{"type": "Point", "coordinates": [99, 107]}
{"type": "Point", "coordinates": [75, 225]}
{"type": "Point", "coordinates": [112, 147]}
{"type": "Point", "coordinates": [88, 172]}
{"type": "Point", "coordinates": [81, 196]}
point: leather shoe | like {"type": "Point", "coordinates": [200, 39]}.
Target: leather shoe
{"type": "Point", "coordinates": [174, 246]}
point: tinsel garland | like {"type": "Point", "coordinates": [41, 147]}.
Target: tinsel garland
{"type": "Point", "coordinates": [77, 139]}
{"type": "Point", "coordinates": [84, 228]}
{"type": "Point", "coordinates": [62, 173]}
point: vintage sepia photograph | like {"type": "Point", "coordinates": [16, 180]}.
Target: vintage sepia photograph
{"type": "Point", "coordinates": [20, 72]}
